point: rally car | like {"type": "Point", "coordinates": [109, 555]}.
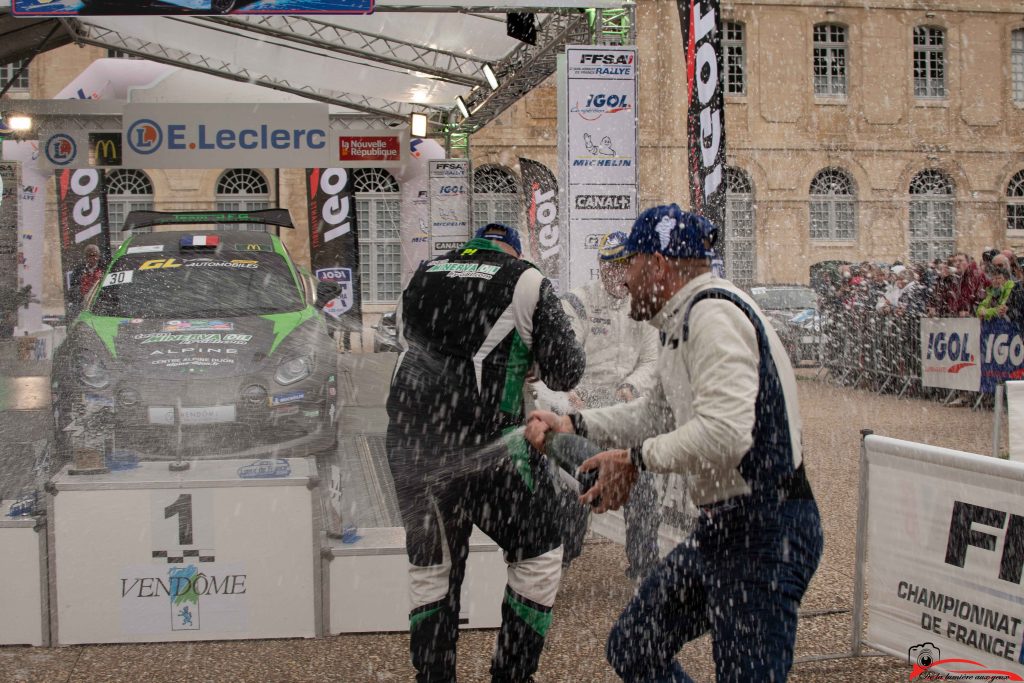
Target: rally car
{"type": "Point", "coordinates": [264, 469]}
{"type": "Point", "coordinates": [199, 345]}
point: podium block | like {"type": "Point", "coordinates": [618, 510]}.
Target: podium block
{"type": "Point", "coordinates": [223, 550]}
{"type": "Point", "coordinates": [22, 590]}
{"type": "Point", "coordinates": [369, 583]}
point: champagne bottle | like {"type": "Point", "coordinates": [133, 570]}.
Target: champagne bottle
{"type": "Point", "coordinates": [569, 451]}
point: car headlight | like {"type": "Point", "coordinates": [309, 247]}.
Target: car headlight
{"type": "Point", "coordinates": [291, 371]}
{"type": "Point", "coordinates": [92, 371]}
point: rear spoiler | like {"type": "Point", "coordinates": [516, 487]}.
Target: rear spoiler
{"type": "Point", "coordinates": [144, 219]}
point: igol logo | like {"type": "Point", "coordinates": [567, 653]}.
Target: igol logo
{"type": "Point", "coordinates": [61, 149]}
{"type": "Point", "coordinates": [145, 136]}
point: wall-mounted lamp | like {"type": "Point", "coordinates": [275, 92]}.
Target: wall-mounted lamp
{"type": "Point", "coordinates": [492, 80]}
{"type": "Point", "coordinates": [463, 109]}
{"type": "Point", "coordinates": [418, 125]}
{"type": "Point", "coordinates": [930, 15]}
{"type": "Point", "coordinates": [19, 123]}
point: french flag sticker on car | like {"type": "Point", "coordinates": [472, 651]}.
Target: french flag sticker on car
{"type": "Point", "coordinates": [192, 241]}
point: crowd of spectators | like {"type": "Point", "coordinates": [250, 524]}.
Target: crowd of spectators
{"type": "Point", "coordinates": [877, 306]}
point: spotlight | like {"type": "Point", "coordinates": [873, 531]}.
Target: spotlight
{"type": "Point", "coordinates": [20, 123]}
{"type": "Point", "coordinates": [418, 124]}
{"type": "Point", "coordinates": [461, 104]}
{"type": "Point", "coordinates": [492, 80]}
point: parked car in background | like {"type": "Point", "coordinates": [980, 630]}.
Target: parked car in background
{"type": "Point", "coordinates": [793, 312]}
{"type": "Point", "coordinates": [385, 334]}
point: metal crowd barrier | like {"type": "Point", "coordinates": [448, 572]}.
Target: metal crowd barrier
{"type": "Point", "coordinates": [878, 351]}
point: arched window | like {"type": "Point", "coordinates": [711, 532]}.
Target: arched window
{"type": "Point", "coordinates": [496, 196]}
{"type": "Point", "coordinates": [830, 60]}
{"type": "Point", "coordinates": [378, 215]}
{"type": "Point", "coordinates": [932, 217]}
{"type": "Point", "coordinates": [242, 189]}
{"type": "Point", "coordinates": [833, 206]}
{"type": "Point", "coordinates": [929, 62]}
{"type": "Point", "coordinates": [739, 247]}
{"type": "Point", "coordinates": [1015, 202]}
{"type": "Point", "coordinates": [127, 190]}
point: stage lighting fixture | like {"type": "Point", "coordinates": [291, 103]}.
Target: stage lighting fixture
{"type": "Point", "coordinates": [492, 80]}
{"type": "Point", "coordinates": [463, 109]}
{"type": "Point", "coordinates": [418, 124]}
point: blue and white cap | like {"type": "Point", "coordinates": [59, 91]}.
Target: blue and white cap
{"type": "Point", "coordinates": [672, 232]}
{"type": "Point", "coordinates": [612, 247]}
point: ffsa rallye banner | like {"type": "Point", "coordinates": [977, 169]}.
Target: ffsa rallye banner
{"type": "Point", "coordinates": [545, 238]}
{"type": "Point", "coordinates": [701, 21]}
{"type": "Point", "coordinates": [82, 222]}
{"type": "Point", "coordinates": [334, 241]}
{"type": "Point", "coordinates": [34, 8]}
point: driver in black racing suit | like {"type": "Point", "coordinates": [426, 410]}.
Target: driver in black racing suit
{"type": "Point", "coordinates": [471, 325]}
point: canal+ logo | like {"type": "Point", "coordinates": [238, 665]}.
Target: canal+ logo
{"type": "Point", "coordinates": [145, 136]}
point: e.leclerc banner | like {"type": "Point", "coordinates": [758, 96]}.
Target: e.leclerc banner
{"type": "Point", "coordinates": [227, 136]}
{"type": "Point", "coordinates": [81, 220]}
{"type": "Point", "coordinates": [701, 21]}
{"type": "Point", "coordinates": [541, 191]}
{"type": "Point", "coordinates": [334, 240]}
{"type": "Point", "coordinates": [945, 544]}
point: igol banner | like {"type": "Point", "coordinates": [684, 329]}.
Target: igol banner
{"type": "Point", "coordinates": [334, 240]}
{"type": "Point", "coordinates": [701, 21]}
{"type": "Point", "coordinates": [542, 219]}
{"type": "Point", "coordinates": [82, 221]}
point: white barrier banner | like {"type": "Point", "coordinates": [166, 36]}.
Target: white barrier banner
{"type": "Point", "coordinates": [449, 188]}
{"type": "Point", "coordinates": [1015, 419]}
{"type": "Point", "coordinates": [600, 101]}
{"type": "Point", "coordinates": [951, 353]}
{"type": "Point", "coordinates": [945, 542]}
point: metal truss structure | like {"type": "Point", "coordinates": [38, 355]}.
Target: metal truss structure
{"type": "Point", "coordinates": [447, 66]}
{"type": "Point", "coordinates": [524, 68]}
{"type": "Point", "coordinates": [91, 34]}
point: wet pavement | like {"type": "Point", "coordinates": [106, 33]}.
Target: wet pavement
{"type": "Point", "coordinates": [593, 591]}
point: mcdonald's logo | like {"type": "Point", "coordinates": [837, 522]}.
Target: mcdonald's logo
{"type": "Point", "coordinates": [105, 149]}
{"type": "Point", "coordinates": [249, 247]}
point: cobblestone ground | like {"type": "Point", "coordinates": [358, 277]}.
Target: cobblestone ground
{"type": "Point", "coordinates": [593, 592]}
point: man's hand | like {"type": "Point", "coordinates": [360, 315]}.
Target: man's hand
{"type": "Point", "coordinates": [615, 478]}
{"type": "Point", "coordinates": [624, 394]}
{"type": "Point", "coordinates": [540, 422]}
{"type": "Point", "coordinates": [575, 401]}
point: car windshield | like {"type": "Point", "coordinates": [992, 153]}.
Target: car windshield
{"type": "Point", "coordinates": [784, 298]}
{"type": "Point", "coordinates": [197, 285]}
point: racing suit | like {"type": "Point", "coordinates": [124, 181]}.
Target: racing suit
{"type": "Point", "coordinates": [470, 326]}
{"type": "Point", "coordinates": [725, 417]}
{"type": "Point", "coordinates": [621, 353]}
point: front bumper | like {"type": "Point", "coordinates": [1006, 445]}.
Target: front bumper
{"type": "Point", "coordinates": [210, 420]}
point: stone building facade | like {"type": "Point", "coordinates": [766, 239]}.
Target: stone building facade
{"type": "Point", "coordinates": [855, 129]}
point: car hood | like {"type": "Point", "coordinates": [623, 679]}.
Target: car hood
{"type": "Point", "coordinates": [202, 348]}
